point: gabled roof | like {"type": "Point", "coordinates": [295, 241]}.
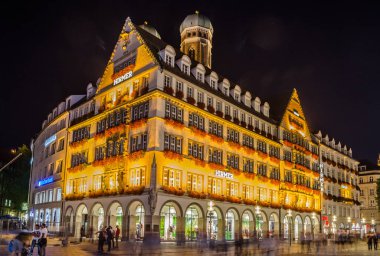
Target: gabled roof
{"type": "Point", "coordinates": [155, 45]}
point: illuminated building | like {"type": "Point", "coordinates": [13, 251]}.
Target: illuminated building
{"type": "Point", "coordinates": [169, 135]}
{"type": "Point", "coordinates": [48, 165]}
{"type": "Point", "coordinates": [341, 206]}
{"type": "Point", "coordinates": [370, 217]}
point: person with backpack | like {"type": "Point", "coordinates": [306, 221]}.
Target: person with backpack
{"type": "Point", "coordinates": [36, 235]}
{"type": "Point", "coordinates": [43, 240]}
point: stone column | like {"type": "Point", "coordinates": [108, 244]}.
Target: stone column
{"type": "Point", "coordinates": [124, 228]}
{"type": "Point", "coordinates": [221, 236]}
{"type": "Point", "coordinates": [180, 230]}
{"type": "Point", "coordinates": [132, 227]}
{"type": "Point", "coordinates": [237, 230]}
{"type": "Point", "coordinates": [152, 229]}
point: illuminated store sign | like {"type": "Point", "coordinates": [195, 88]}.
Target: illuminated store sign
{"type": "Point", "coordinates": [224, 174]}
{"type": "Point", "coordinates": [122, 78]}
{"type": "Point", "coordinates": [50, 140]}
{"type": "Point", "coordinates": [45, 181]}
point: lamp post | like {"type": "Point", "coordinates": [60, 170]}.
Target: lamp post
{"type": "Point", "coordinates": [334, 225]}
{"type": "Point", "coordinates": [211, 214]}
{"type": "Point", "coordinates": [257, 211]}
{"type": "Point", "coordinates": [362, 232]}
{"type": "Point", "coordinates": [289, 216]}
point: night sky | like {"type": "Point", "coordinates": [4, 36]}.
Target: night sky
{"type": "Point", "coordinates": [330, 53]}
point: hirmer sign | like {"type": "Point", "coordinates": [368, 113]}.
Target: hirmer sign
{"type": "Point", "coordinates": [122, 78]}
{"type": "Point", "coordinates": [224, 174]}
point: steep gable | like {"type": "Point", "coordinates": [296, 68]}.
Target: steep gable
{"type": "Point", "coordinates": [130, 53]}
{"type": "Point", "coordinates": [293, 117]}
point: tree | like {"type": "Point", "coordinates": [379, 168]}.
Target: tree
{"type": "Point", "coordinates": [14, 180]}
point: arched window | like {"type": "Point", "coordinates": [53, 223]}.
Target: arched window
{"type": "Point", "coordinates": [192, 53]}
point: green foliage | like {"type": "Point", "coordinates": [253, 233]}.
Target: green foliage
{"type": "Point", "coordinates": [14, 179]}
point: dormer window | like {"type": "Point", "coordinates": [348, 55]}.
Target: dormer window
{"type": "Point", "coordinates": [225, 90]}
{"type": "Point", "coordinates": [199, 76]}
{"type": "Point", "coordinates": [185, 69]}
{"type": "Point", "coordinates": [169, 59]}
{"type": "Point", "coordinates": [237, 97]}
{"type": "Point", "coordinates": [213, 84]}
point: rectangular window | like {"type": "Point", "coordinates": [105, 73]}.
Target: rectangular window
{"type": "Point", "coordinates": [98, 182]}
{"type": "Point", "coordinates": [214, 186]}
{"type": "Point", "coordinates": [172, 178]}
{"type": "Point", "coordinates": [215, 155]}
{"type": "Point", "coordinates": [213, 84]}
{"type": "Point", "coordinates": [219, 106]}
{"type": "Point", "coordinates": [233, 135]}
{"type": "Point", "coordinates": [137, 176]}
{"type": "Point", "coordinates": [167, 81]}
{"type": "Point", "coordinates": [59, 166]}
{"type": "Point", "coordinates": [232, 188]}
{"type": "Point", "coordinates": [168, 60]}
{"type": "Point", "coordinates": [248, 165]}
{"type": "Point", "coordinates": [179, 86]}
{"type": "Point", "coordinates": [61, 144]}
{"type": "Point", "coordinates": [233, 160]}
{"type": "Point", "coordinates": [140, 111]}
{"type": "Point", "coordinates": [185, 69]}
{"type": "Point", "coordinates": [248, 192]}
{"type": "Point", "coordinates": [196, 149]}
{"type": "Point", "coordinates": [173, 112]}
{"type": "Point", "coordinates": [139, 142]}
{"type": "Point", "coordinates": [173, 143]}
{"type": "Point", "coordinates": [196, 121]}
{"type": "Point", "coordinates": [189, 92]}
{"type": "Point", "coordinates": [194, 182]}
{"type": "Point", "coordinates": [248, 141]}
{"type": "Point", "coordinates": [274, 151]}
{"type": "Point", "coordinates": [59, 194]}
{"type": "Point", "coordinates": [262, 146]}
{"type": "Point", "coordinates": [261, 169]}
{"type": "Point", "coordinates": [199, 76]}
{"type": "Point", "coordinates": [200, 97]}
{"type": "Point", "coordinates": [215, 128]}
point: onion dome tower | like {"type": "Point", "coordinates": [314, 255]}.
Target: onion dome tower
{"type": "Point", "coordinates": [196, 38]}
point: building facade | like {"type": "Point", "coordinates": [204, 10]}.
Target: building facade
{"type": "Point", "coordinates": [341, 206]}
{"type": "Point", "coordinates": [370, 216]}
{"type": "Point", "coordinates": [175, 151]}
{"type": "Point", "coordinates": [48, 165]}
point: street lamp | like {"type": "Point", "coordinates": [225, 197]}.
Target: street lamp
{"type": "Point", "coordinates": [349, 224]}
{"type": "Point", "coordinates": [289, 216]}
{"type": "Point", "coordinates": [211, 214]}
{"type": "Point", "coordinates": [334, 225]}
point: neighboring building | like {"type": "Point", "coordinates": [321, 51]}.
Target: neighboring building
{"type": "Point", "coordinates": [370, 215]}
{"type": "Point", "coordinates": [340, 208]}
{"type": "Point", "coordinates": [48, 162]}
{"type": "Point", "coordinates": [169, 137]}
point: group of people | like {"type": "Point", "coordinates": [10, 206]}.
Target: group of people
{"type": "Point", "coordinates": [110, 236]}
{"type": "Point", "coordinates": [372, 241]}
{"type": "Point", "coordinates": [19, 245]}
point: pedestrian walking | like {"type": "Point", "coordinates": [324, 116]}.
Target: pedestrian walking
{"type": "Point", "coordinates": [109, 237]}
{"type": "Point", "coordinates": [369, 242]}
{"type": "Point", "coordinates": [36, 236]}
{"type": "Point", "coordinates": [42, 242]}
{"type": "Point", "coordinates": [101, 239]}
{"type": "Point", "coordinates": [113, 237]}
{"type": "Point", "coordinates": [375, 242]}
{"type": "Point", "coordinates": [117, 235]}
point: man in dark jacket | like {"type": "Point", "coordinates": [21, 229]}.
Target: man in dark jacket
{"type": "Point", "coordinates": [109, 237]}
